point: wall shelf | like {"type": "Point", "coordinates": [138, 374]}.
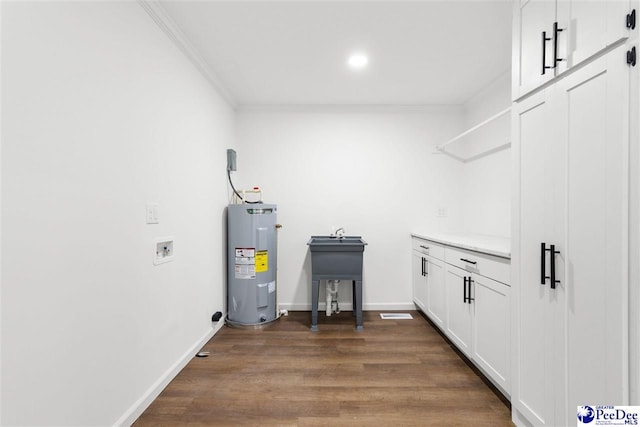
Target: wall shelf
{"type": "Point", "coordinates": [441, 148]}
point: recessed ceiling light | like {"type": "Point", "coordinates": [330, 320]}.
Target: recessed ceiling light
{"type": "Point", "coordinates": [358, 60]}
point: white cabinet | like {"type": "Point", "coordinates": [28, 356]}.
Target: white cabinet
{"type": "Point", "coordinates": [533, 23]}
{"type": "Point", "coordinates": [428, 279]}
{"type": "Point", "coordinates": [469, 300]}
{"type": "Point", "coordinates": [591, 26]}
{"type": "Point", "coordinates": [553, 36]}
{"type": "Point", "coordinates": [459, 308]}
{"type": "Point", "coordinates": [419, 279]}
{"type": "Point", "coordinates": [492, 329]}
{"type": "Point", "coordinates": [478, 311]}
{"type": "Point", "coordinates": [436, 291]}
{"type": "Point", "coordinates": [571, 153]}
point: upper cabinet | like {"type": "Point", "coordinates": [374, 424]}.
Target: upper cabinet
{"type": "Point", "coordinates": [532, 55]}
{"type": "Point", "coordinates": [551, 37]}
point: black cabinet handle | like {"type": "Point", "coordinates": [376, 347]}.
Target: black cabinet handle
{"type": "Point", "coordinates": [469, 299]}
{"type": "Point", "coordinates": [545, 39]}
{"type": "Point", "coordinates": [469, 261]}
{"type": "Point", "coordinates": [556, 30]}
{"type": "Point", "coordinates": [552, 268]}
{"type": "Point", "coordinates": [424, 247]}
{"type": "Point", "coordinates": [543, 269]}
{"type": "Point", "coordinates": [631, 20]}
{"type": "Point", "coordinates": [631, 56]}
{"type": "Point", "coordinates": [464, 289]}
{"type": "Point", "coordinates": [422, 273]}
{"type": "Point", "coordinates": [552, 255]}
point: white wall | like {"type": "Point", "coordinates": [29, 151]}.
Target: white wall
{"type": "Point", "coordinates": [100, 115]}
{"type": "Point", "coordinates": [372, 172]}
{"type": "Point", "coordinates": [487, 175]}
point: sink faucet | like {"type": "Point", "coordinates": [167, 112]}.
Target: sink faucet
{"type": "Point", "coordinates": [339, 233]}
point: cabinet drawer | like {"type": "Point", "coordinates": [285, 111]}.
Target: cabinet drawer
{"type": "Point", "coordinates": [428, 247]}
{"type": "Point", "coordinates": [490, 266]}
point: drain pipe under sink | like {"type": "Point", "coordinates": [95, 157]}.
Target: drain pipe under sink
{"type": "Point", "coordinates": [332, 297]}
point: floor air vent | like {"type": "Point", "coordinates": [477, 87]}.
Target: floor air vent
{"type": "Point", "coordinates": [395, 316]}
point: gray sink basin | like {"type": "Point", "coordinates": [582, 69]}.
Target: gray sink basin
{"type": "Point", "coordinates": [336, 257]}
{"type": "Point", "coordinates": [336, 244]}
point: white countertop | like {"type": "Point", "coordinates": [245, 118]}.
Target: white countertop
{"type": "Point", "coordinates": [492, 245]}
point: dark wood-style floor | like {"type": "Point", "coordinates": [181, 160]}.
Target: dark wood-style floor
{"type": "Point", "coordinates": [394, 373]}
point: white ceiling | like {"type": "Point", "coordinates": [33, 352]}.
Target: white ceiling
{"type": "Point", "coordinates": [295, 52]}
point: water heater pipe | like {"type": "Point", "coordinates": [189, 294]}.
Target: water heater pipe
{"type": "Point", "coordinates": [242, 193]}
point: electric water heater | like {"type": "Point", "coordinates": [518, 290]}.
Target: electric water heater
{"type": "Point", "coordinates": [251, 264]}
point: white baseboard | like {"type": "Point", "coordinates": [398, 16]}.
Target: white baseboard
{"type": "Point", "coordinates": [132, 414]}
{"type": "Point", "coordinates": [391, 306]}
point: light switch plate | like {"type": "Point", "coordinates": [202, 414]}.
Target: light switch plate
{"type": "Point", "coordinates": [153, 216]}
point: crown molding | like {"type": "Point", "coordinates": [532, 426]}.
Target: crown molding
{"type": "Point", "coordinates": [351, 108]}
{"type": "Point", "coordinates": [160, 16]}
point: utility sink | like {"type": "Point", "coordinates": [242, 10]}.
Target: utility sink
{"type": "Point", "coordinates": [336, 258]}
{"type": "Point", "coordinates": [331, 243]}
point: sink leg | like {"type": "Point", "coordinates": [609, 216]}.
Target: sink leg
{"type": "Point", "coordinates": [355, 303]}
{"type": "Point", "coordinates": [315, 290]}
{"type": "Point", "coordinates": [358, 304]}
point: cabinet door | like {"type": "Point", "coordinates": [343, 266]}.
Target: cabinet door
{"type": "Point", "coordinates": [589, 27]}
{"type": "Point", "coordinates": [594, 106]}
{"type": "Point", "coordinates": [491, 330]}
{"type": "Point", "coordinates": [533, 306]}
{"type": "Point", "coordinates": [531, 19]}
{"type": "Point", "coordinates": [459, 311]}
{"type": "Point", "coordinates": [419, 280]}
{"type": "Point", "coordinates": [436, 295]}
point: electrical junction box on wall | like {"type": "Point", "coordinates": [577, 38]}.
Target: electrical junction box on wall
{"type": "Point", "coordinates": [163, 250]}
{"type": "Point", "coordinates": [231, 159]}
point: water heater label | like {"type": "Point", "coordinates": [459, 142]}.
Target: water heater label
{"type": "Point", "coordinates": [262, 261]}
{"type": "Point", "coordinates": [245, 252]}
{"type": "Point", "coordinates": [245, 265]}
{"type": "Point", "coordinates": [245, 271]}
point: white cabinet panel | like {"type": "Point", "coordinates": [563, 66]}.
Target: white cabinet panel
{"type": "Point", "coordinates": [459, 310]}
{"type": "Point", "coordinates": [419, 280]}
{"type": "Point", "coordinates": [427, 247]}
{"type": "Point", "coordinates": [551, 37]}
{"type": "Point", "coordinates": [532, 18]}
{"type": "Point", "coordinates": [428, 279]}
{"type": "Point", "coordinates": [591, 26]}
{"type": "Point", "coordinates": [595, 103]}
{"type": "Point", "coordinates": [571, 151]}
{"type": "Point", "coordinates": [436, 296]}
{"type": "Point", "coordinates": [534, 306]}
{"type": "Point", "coordinates": [474, 262]}
{"type": "Point", "coordinates": [491, 329]}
